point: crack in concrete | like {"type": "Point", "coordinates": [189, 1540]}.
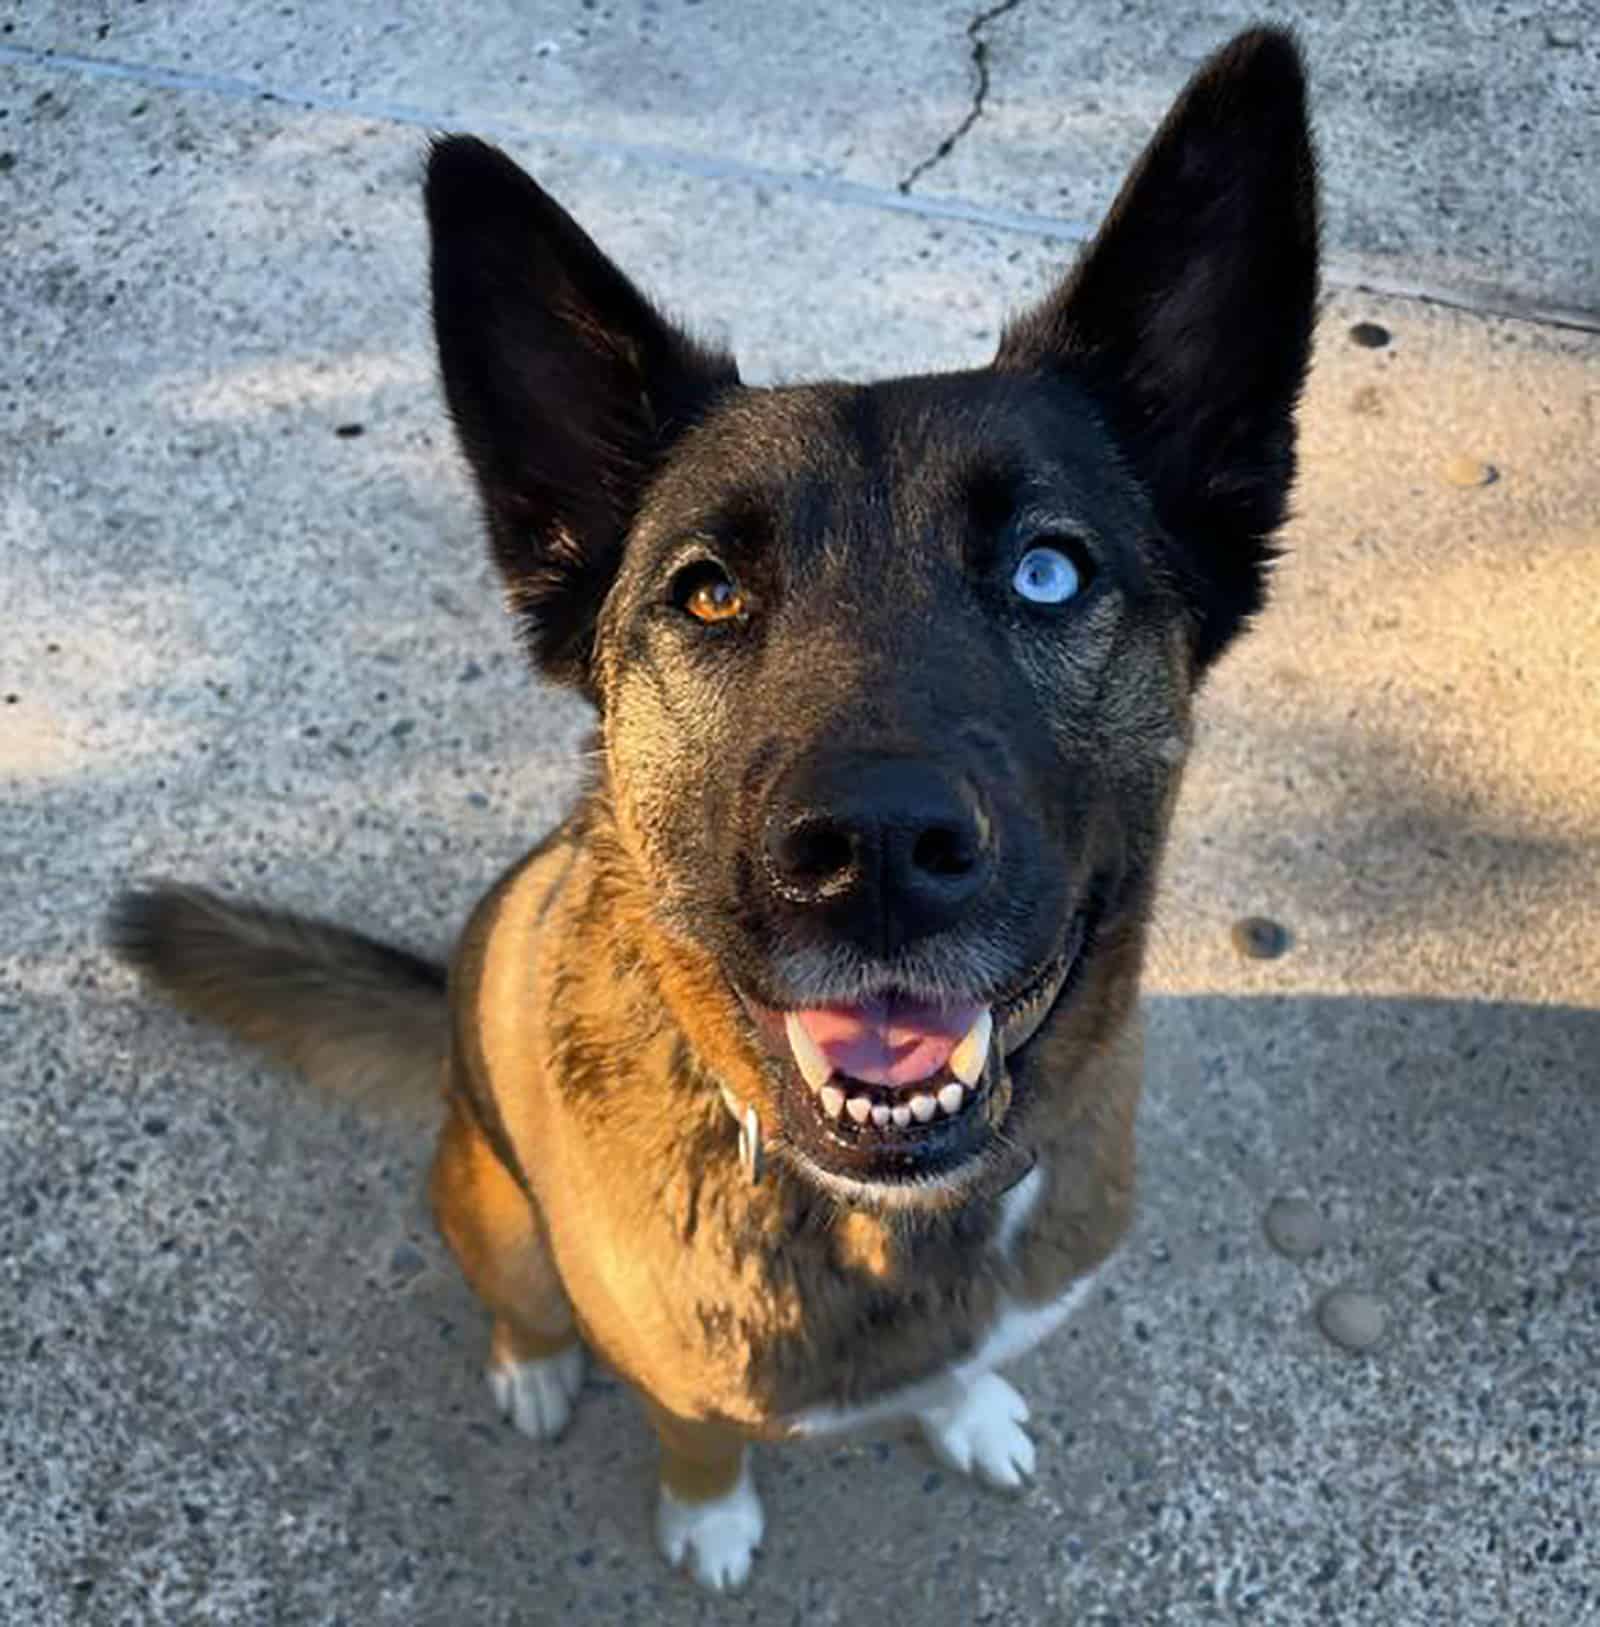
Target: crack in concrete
{"type": "Point", "coordinates": [980, 93]}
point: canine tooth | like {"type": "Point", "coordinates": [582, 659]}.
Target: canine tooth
{"type": "Point", "coordinates": [951, 1097]}
{"type": "Point", "coordinates": [969, 1057]}
{"type": "Point", "coordinates": [832, 1100]}
{"type": "Point", "coordinates": [814, 1067]}
{"type": "Point", "coordinates": [923, 1107]}
{"type": "Point", "coordinates": [751, 1154]}
{"type": "Point", "coordinates": [901, 1117]}
{"type": "Point", "coordinates": [880, 1115]}
{"type": "Point", "coordinates": [858, 1107]}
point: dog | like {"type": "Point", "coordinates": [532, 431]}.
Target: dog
{"type": "Point", "coordinates": [795, 1074]}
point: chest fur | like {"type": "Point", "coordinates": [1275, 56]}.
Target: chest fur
{"type": "Point", "coordinates": [762, 1307]}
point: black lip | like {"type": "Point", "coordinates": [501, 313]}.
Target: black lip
{"type": "Point", "coordinates": [1060, 978]}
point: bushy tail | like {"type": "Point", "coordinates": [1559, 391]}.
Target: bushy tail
{"type": "Point", "coordinates": [358, 1018]}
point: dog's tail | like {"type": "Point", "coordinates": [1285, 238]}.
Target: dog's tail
{"type": "Point", "coordinates": [361, 1019]}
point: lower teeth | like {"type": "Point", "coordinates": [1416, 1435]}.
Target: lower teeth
{"type": "Point", "coordinates": [921, 1108]}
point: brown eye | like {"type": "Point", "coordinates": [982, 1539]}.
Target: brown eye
{"type": "Point", "coordinates": [709, 596]}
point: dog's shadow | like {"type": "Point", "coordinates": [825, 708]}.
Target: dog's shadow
{"type": "Point", "coordinates": [259, 1357]}
{"type": "Point", "coordinates": [1450, 1149]}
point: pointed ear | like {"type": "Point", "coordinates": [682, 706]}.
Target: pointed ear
{"type": "Point", "coordinates": [1189, 318]}
{"type": "Point", "coordinates": [567, 387]}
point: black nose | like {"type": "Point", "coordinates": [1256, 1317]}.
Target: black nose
{"type": "Point", "coordinates": [884, 849]}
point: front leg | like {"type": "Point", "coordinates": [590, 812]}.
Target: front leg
{"type": "Point", "coordinates": [488, 1221]}
{"type": "Point", "coordinates": [974, 1422]}
{"type": "Point", "coordinates": [978, 1431]}
{"type": "Point", "coordinates": [708, 1519]}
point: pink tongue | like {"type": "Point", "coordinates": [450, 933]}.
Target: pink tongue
{"type": "Point", "coordinates": [888, 1042]}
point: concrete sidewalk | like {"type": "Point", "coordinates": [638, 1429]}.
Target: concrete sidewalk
{"type": "Point", "coordinates": [249, 636]}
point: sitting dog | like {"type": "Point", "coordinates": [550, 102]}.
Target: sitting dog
{"type": "Point", "coordinates": [795, 1074]}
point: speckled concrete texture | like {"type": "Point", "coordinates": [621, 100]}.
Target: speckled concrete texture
{"type": "Point", "coordinates": [249, 637]}
{"type": "Point", "coordinates": [1462, 137]}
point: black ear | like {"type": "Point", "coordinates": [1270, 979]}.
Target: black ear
{"type": "Point", "coordinates": [565, 384]}
{"type": "Point", "coordinates": [1189, 318]}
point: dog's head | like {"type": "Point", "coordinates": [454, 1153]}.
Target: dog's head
{"type": "Point", "coordinates": [895, 679]}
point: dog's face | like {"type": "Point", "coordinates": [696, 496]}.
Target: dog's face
{"type": "Point", "coordinates": [894, 679]}
{"type": "Point", "coordinates": [891, 710]}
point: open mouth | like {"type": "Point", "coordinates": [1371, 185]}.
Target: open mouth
{"type": "Point", "coordinates": [894, 1088]}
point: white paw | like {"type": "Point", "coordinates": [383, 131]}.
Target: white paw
{"type": "Point", "coordinates": [714, 1540]}
{"type": "Point", "coordinates": [537, 1396]}
{"type": "Point", "coordinates": [980, 1433]}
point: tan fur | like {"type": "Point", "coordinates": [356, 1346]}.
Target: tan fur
{"type": "Point", "coordinates": [730, 1305]}
{"type": "Point", "coordinates": [587, 1178]}
{"type": "Point", "coordinates": [498, 1240]}
{"type": "Point", "coordinates": [699, 1461]}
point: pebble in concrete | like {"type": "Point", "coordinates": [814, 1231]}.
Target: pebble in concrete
{"type": "Point", "coordinates": [1464, 471]}
{"type": "Point", "coordinates": [1295, 1228]}
{"type": "Point", "coordinates": [1352, 1319]}
{"type": "Point", "coordinates": [1369, 335]}
{"type": "Point", "coordinates": [1257, 938]}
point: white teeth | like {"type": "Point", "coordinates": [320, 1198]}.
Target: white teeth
{"type": "Point", "coordinates": [968, 1058]}
{"type": "Point", "coordinates": [858, 1107]}
{"type": "Point", "coordinates": [880, 1115]}
{"type": "Point", "coordinates": [923, 1107]}
{"type": "Point", "coordinates": [951, 1097]}
{"type": "Point", "coordinates": [814, 1067]}
{"type": "Point", "coordinates": [832, 1101]}
{"type": "Point", "coordinates": [901, 1117]}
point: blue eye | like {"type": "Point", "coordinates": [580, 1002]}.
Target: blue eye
{"type": "Point", "coordinates": [1046, 576]}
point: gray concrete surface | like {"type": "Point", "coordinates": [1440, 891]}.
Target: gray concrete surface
{"type": "Point", "coordinates": [1462, 138]}
{"type": "Point", "coordinates": [239, 1381]}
